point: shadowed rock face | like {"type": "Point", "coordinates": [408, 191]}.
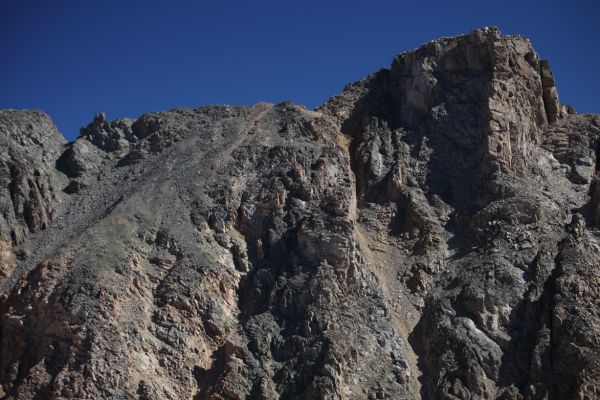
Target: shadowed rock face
{"type": "Point", "coordinates": [429, 233]}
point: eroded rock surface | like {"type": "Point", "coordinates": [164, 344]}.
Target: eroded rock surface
{"type": "Point", "coordinates": [429, 233]}
{"type": "Point", "coordinates": [30, 186]}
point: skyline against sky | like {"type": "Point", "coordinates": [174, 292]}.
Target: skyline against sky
{"type": "Point", "coordinates": [74, 59]}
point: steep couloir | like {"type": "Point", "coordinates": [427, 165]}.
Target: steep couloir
{"type": "Point", "coordinates": [430, 233]}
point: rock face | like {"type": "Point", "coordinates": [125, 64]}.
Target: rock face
{"type": "Point", "coordinates": [30, 185]}
{"type": "Point", "coordinates": [429, 233]}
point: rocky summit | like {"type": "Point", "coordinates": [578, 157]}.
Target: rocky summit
{"type": "Point", "coordinates": [432, 232]}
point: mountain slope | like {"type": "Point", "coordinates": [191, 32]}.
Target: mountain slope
{"type": "Point", "coordinates": [431, 232]}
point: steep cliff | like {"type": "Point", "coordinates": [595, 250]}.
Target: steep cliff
{"type": "Point", "coordinates": [429, 233]}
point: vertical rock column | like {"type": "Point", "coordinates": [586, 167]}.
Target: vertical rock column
{"type": "Point", "coordinates": [550, 94]}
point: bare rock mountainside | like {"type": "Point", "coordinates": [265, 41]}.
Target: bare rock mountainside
{"type": "Point", "coordinates": [432, 232]}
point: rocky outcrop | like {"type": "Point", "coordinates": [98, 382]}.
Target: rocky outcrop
{"type": "Point", "coordinates": [429, 233]}
{"type": "Point", "coordinates": [462, 151]}
{"type": "Point", "coordinates": [30, 186]}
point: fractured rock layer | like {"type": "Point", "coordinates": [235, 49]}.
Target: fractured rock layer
{"type": "Point", "coordinates": [429, 233]}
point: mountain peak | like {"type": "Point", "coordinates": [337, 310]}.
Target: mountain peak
{"type": "Point", "coordinates": [429, 233]}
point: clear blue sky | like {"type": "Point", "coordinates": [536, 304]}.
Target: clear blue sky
{"type": "Point", "coordinates": [75, 58]}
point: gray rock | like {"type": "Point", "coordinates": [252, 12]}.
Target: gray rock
{"type": "Point", "coordinates": [405, 240]}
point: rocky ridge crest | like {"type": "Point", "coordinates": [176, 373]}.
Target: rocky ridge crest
{"type": "Point", "coordinates": [429, 233]}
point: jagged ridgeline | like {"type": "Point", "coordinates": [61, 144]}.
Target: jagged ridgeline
{"type": "Point", "coordinates": [429, 233]}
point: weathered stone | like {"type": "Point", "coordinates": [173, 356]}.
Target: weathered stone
{"type": "Point", "coordinates": [550, 94]}
{"type": "Point", "coordinates": [30, 186]}
{"type": "Point", "coordinates": [429, 233]}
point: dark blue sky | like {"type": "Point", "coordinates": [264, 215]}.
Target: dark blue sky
{"type": "Point", "coordinates": [75, 58]}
